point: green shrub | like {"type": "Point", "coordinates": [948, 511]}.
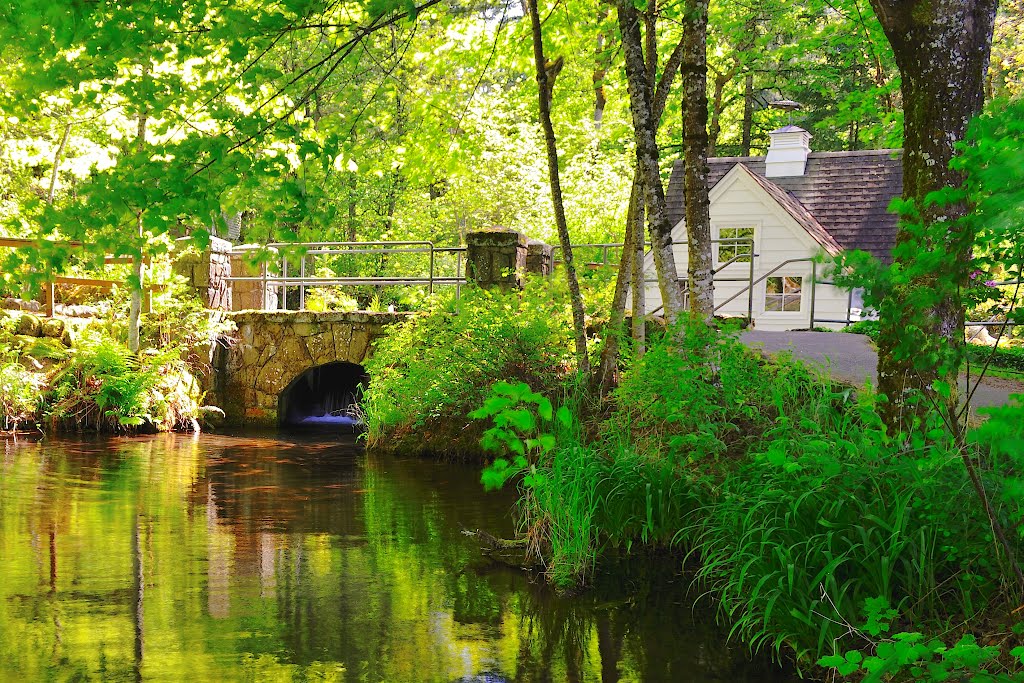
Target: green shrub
{"type": "Point", "coordinates": [867, 327]}
{"type": "Point", "coordinates": [431, 371]}
{"type": "Point", "coordinates": [787, 490]}
{"type": "Point", "coordinates": [911, 655]}
{"type": "Point", "coordinates": [1002, 357]}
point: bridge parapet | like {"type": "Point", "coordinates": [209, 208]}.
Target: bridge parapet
{"type": "Point", "coordinates": [271, 348]}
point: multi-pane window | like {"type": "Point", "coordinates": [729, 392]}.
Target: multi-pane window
{"type": "Point", "coordinates": [782, 293]}
{"type": "Point", "coordinates": [740, 250]}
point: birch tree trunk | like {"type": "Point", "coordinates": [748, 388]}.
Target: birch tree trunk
{"type": "Point", "coordinates": [639, 283]}
{"type": "Point", "coordinates": [56, 163]}
{"type": "Point", "coordinates": [603, 378]}
{"type": "Point", "coordinates": [631, 264]}
{"type": "Point", "coordinates": [135, 303]}
{"type": "Point", "coordinates": [942, 49]}
{"type": "Point", "coordinates": [645, 129]}
{"type": "Point", "coordinates": [700, 273]}
{"type": "Point", "coordinates": [544, 88]}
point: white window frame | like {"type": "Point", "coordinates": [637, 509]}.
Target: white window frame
{"type": "Point", "coordinates": [755, 228]}
{"type": "Point", "coordinates": [803, 288]}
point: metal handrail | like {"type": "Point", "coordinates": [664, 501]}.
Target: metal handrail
{"type": "Point", "coordinates": [379, 247]}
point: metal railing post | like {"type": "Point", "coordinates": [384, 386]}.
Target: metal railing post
{"type": "Point", "coordinates": [458, 279]}
{"type": "Point", "coordinates": [302, 287]}
{"type": "Point", "coordinates": [263, 286]}
{"type": "Point", "coordinates": [430, 287]}
{"type": "Point", "coordinates": [750, 287]}
{"type": "Point", "coordinates": [814, 287]}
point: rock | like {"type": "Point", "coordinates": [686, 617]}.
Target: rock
{"type": "Point", "coordinates": [66, 338]}
{"type": "Point", "coordinates": [210, 417]}
{"type": "Point", "coordinates": [978, 334]}
{"type": "Point", "coordinates": [15, 304]}
{"type": "Point", "coordinates": [53, 328]}
{"type": "Point", "coordinates": [29, 325]}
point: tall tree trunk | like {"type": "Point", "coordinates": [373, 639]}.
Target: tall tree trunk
{"type": "Point", "coordinates": [748, 113]}
{"type": "Point", "coordinates": [600, 72]}
{"type": "Point", "coordinates": [614, 330]}
{"type": "Point", "coordinates": [135, 303]}
{"type": "Point", "coordinates": [715, 128]}
{"type": "Point", "coordinates": [639, 284]}
{"type": "Point", "coordinates": [351, 232]}
{"type": "Point", "coordinates": [942, 49]}
{"type": "Point", "coordinates": [56, 163]}
{"type": "Point", "coordinates": [645, 130]}
{"type": "Point", "coordinates": [545, 85]}
{"type": "Point", "coordinates": [700, 267]}
{"type": "Point", "coordinates": [634, 232]}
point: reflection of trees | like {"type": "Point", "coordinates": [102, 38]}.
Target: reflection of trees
{"type": "Point", "coordinates": [215, 555]}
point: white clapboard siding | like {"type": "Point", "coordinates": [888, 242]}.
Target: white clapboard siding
{"type": "Point", "coordinates": [738, 201]}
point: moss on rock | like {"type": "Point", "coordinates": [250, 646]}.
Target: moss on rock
{"type": "Point", "coordinates": [29, 325]}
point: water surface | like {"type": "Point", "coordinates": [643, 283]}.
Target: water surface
{"type": "Point", "coordinates": [262, 559]}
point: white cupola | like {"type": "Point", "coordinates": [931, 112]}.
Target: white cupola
{"type": "Point", "coordinates": [787, 154]}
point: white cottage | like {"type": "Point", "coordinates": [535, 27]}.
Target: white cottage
{"type": "Point", "coordinates": [790, 206]}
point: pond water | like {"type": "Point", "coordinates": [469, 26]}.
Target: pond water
{"type": "Point", "coordinates": [277, 558]}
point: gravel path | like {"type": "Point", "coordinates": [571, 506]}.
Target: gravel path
{"type": "Point", "coordinates": [851, 358]}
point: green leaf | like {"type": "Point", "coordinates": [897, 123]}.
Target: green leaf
{"type": "Point", "coordinates": [564, 416]}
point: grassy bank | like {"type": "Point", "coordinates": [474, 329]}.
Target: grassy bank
{"type": "Point", "coordinates": [823, 538]}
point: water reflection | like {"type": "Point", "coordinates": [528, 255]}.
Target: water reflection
{"type": "Point", "coordinates": [227, 558]}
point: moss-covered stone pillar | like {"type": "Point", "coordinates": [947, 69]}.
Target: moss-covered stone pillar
{"type": "Point", "coordinates": [540, 258]}
{"type": "Point", "coordinates": [496, 258]}
{"type": "Point", "coordinates": [207, 271]}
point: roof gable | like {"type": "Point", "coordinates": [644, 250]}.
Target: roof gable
{"type": "Point", "coordinates": [846, 194]}
{"type": "Point", "coordinates": [778, 197]}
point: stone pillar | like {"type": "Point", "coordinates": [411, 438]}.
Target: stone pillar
{"type": "Point", "coordinates": [207, 271]}
{"type": "Point", "coordinates": [540, 258]}
{"type": "Point", "coordinates": [251, 294]}
{"type": "Point", "coordinates": [496, 258]}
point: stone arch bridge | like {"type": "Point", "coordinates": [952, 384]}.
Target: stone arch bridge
{"type": "Point", "coordinates": [285, 366]}
{"type": "Point", "coordinates": [290, 367]}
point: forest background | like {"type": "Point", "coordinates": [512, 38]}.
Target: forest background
{"type": "Point", "coordinates": [350, 121]}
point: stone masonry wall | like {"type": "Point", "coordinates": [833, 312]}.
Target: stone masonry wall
{"type": "Point", "coordinates": [272, 348]}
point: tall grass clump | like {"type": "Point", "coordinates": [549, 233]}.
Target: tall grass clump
{"type": "Point", "coordinates": [576, 496]}
{"type": "Point", "coordinates": [431, 371]}
{"type": "Point", "coordinates": [811, 525]}
{"type": "Point", "coordinates": [804, 508]}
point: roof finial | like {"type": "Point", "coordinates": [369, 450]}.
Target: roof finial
{"type": "Point", "coordinates": [786, 106]}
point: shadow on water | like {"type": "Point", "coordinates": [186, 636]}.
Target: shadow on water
{"type": "Point", "coordinates": [302, 557]}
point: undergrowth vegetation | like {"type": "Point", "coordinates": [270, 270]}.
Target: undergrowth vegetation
{"type": "Point", "coordinates": [797, 509]}
{"type": "Point", "coordinates": [431, 371]}
{"type": "Point", "coordinates": [98, 384]}
{"type": "Point", "coordinates": [107, 388]}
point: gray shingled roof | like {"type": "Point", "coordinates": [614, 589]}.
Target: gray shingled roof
{"type": "Point", "coordinates": [846, 193]}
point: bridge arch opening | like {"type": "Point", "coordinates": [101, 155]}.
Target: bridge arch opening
{"type": "Point", "coordinates": [324, 395]}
